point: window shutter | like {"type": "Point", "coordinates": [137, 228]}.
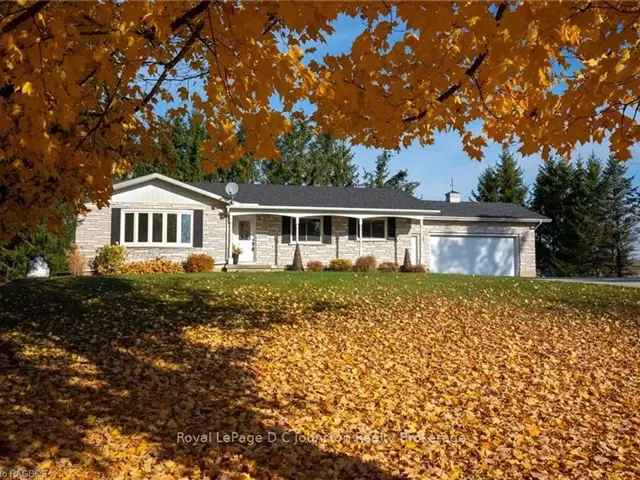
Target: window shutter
{"type": "Point", "coordinates": [326, 229]}
{"type": "Point", "coordinates": [353, 227]}
{"type": "Point", "coordinates": [197, 228]}
{"type": "Point", "coordinates": [286, 229]}
{"type": "Point", "coordinates": [115, 226]}
{"type": "Point", "coordinates": [391, 227]}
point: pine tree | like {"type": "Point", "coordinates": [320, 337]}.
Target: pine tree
{"type": "Point", "coordinates": [620, 227]}
{"type": "Point", "coordinates": [180, 142]}
{"type": "Point", "coordinates": [380, 178]}
{"type": "Point", "coordinates": [551, 194]}
{"type": "Point", "coordinates": [585, 218]}
{"type": "Point", "coordinates": [487, 190]}
{"type": "Point", "coordinates": [511, 182]}
{"type": "Point", "coordinates": [308, 158]}
{"type": "Point", "coordinates": [504, 183]}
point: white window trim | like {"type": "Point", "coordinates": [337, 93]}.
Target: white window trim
{"type": "Point", "coordinates": [151, 243]}
{"type": "Point", "coordinates": [307, 242]}
{"type": "Point", "coordinates": [373, 239]}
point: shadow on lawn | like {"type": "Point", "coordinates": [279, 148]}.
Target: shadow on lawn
{"type": "Point", "coordinates": [174, 386]}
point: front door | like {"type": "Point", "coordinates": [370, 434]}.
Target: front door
{"type": "Point", "coordinates": [244, 232]}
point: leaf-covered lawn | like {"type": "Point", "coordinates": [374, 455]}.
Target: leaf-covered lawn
{"type": "Point", "coordinates": [343, 375]}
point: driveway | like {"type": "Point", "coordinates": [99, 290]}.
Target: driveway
{"type": "Point", "coordinates": [615, 281]}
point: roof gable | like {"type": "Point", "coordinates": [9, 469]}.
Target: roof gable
{"type": "Point", "coordinates": [159, 178]}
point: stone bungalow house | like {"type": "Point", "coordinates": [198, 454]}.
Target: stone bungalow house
{"type": "Point", "coordinates": [157, 216]}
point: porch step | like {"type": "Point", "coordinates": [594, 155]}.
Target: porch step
{"type": "Point", "coordinates": [253, 267]}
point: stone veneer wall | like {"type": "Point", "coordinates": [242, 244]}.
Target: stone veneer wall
{"type": "Point", "coordinates": [94, 231]}
{"type": "Point", "coordinates": [271, 250]}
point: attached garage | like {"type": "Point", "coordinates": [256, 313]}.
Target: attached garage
{"type": "Point", "coordinates": [474, 254]}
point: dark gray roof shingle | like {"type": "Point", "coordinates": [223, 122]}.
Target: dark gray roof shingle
{"type": "Point", "coordinates": [306, 196]}
{"type": "Point", "coordinates": [359, 197]}
{"type": "Point", "coordinates": [482, 209]}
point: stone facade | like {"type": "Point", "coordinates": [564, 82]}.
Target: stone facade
{"type": "Point", "coordinates": [94, 231]}
{"type": "Point", "coordinates": [270, 248]}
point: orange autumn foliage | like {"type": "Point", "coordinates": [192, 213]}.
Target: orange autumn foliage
{"type": "Point", "coordinates": [80, 82]}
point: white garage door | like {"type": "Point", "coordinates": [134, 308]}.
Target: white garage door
{"type": "Point", "coordinates": [473, 255]}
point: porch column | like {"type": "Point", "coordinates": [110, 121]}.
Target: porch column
{"type": "Point", "coordinates": [297, 229]}
{"type": "Point", "coordinates": [230, 237]}
{"type": "Point", "coordinates": [360, 234]}
{"type": "Point", "coordinates": [421, 240]}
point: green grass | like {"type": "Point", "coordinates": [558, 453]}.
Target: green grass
{"type": "Point", "coordinates": [221, 287]}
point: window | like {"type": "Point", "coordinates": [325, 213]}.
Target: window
{"type": "Point", "coordinates": [244, 230]}
{"type": "Point", "coordinates": [143, 227]}
{"type": "Point", "coordinates": [374, 229]}
{"type": "Point", "coordinates": [185, 228]}
{"type": "Point", "coordinates": [172, 228]}
{"type": "Point", "coordinates": [128, 227]}
{"type": "Point", "coordinates": [310, 229]}
{"type": "Point", "coordinates": [159, 228]}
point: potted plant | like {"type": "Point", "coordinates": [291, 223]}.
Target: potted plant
{"type": "Point", "coordinates": [235, 253]}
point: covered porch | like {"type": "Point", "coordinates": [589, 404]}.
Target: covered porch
{"type": "Point", "coordinates": [268, 236]}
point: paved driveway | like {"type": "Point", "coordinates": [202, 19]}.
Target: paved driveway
{"type": "Point", "coordinates": [618, 282]}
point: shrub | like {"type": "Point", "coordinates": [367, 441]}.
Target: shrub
{"type": "Point", "coordinates": [157, 265]}
{"type": "Point", "coordinates": [415, 269]}
{"type": "Point", "coordinates": [365, 264]}
{"type": "Point", "coordinates": [21, 247]}
{"type": "Point", "coordinates": [77, 262]}
{"type": "Point", "coordinates": [340, 265]}
{"type": "Point", "coordinates": [315, 266]}
{"type": "Point", "coordinates": [406, 265]}
{"type": "Point", "coordinates": [109, 260]}
{"type": "Point", "coordinates": [297, 260]}
{"type": "Point", "coordinates": [198, 262]}
{"type": "Point", "coordinates": [388, 267]}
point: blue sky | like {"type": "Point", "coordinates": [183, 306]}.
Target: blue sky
{"type": "Point", "coordinates": [434, 166]}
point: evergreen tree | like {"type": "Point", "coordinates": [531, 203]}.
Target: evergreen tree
{"type": "Point", "coordinates": [52, 244]}
{"type": "Point", "coordinates": [308, 158]}
{"type": "Point", "coordinates": [585, 218]}
{"type": "Point", "coordinates": [620, 224]}
{"type": "Point", "coordinates": [504, 183]}
{"type": "Point", "coordinates": [380, 178]}
{"type": "Point", "coordinates": [487, 190]}
{"type": "Point", "coordinates": [180, 143]}
{"type": "Point", "coordinates": [551, 196]}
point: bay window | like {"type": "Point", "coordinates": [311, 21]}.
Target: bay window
{"type": "Point", "coordinates": [157, 228]}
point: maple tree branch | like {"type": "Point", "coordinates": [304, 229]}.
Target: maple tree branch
{"type": "Point", "coordinates": [169, 66]}
{"type": "Point", "coordinates": [469, 72]}
{"type": "Point", "coordinates": [24, 16]}
{"type": "Point", "coordinates": [189, 15]}
{"type": "Point", "coordinates": [103, 115]}
{"type": "Point", "coordinates": [273, 21]}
